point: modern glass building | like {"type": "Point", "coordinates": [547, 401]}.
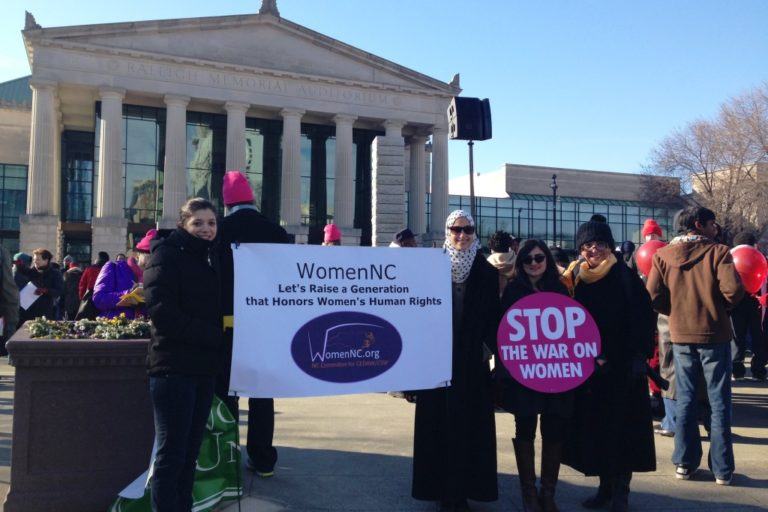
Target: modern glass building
{"type": "Point", "coordinates": [526, 210]}
{"type": "Point", "coordinates": [530, 216]}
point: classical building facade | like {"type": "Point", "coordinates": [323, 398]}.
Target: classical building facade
{"type": "Point", "coordinates": [127, 120]}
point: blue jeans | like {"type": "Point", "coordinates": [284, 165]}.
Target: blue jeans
{"type": "Point", "coordinates": [670, 406]}
{"type": "Point", "coordinates": [714, 361]}
{"type": "Point", "coordinates": [182, 404]}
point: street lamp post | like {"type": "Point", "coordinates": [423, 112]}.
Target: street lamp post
{"type": "Point", "coordinates": [553, 185]}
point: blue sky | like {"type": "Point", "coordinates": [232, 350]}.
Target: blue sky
{"type": "Point", "coordinates": [585, 84]}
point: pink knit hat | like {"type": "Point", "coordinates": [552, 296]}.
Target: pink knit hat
{"type": "Point", "coordinates": [236, 188]}
{"type": "Point", "coordinates": [143, 245]}
{"type": "Point", "coordinates": [332, 233]}
{"type": "Point", "coordinates": [651, 227]}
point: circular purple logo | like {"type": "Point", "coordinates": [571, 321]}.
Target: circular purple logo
{"type": "Point", "coordinates": [346, 346]}
{"type": "Point", "coordinates": [548, 342]}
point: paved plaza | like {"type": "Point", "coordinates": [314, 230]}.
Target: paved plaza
{"type": "Point", "coordinates": [353, 453]}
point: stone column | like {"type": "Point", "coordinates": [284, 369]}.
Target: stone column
{"type": "Point", "coordinates": [236, 135]}
{"type": "Point", "coordinates": [344, 182]}
{"type": "Point", "coordinates": [393, 128]}
{"type": "Point", "coordinates": [174, 174]}
{"type": "Point", "coordinates": [58, 251]}
{"type": "Point", "coordinates": [39, 227]}
{"type": "Point", "coordinates": [387, 184]}
{"type": "Point", "coordinates": [109, 226]}
{"type": "Point", "coordinates": [56, 179]}
{"type": "Point", "coordinates": [417, 214]}
{"type": "Point", "coordinates": [290, 180]}
{"type": "Point", "coordinates": [439, 187]}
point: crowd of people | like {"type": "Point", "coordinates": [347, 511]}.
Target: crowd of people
{"type": "Point", "coordinates": [681, 315]}
{"type": "Point", "coordinates": [679, 318]}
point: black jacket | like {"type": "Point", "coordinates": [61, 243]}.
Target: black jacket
{"type": "Point", "coordinates": [516, 398]}
{"type": "Point", "coordinates": [243, 226]}
{"type": "Point", "coordinates": [71, 298]}
{"type": "Point", "coordinates": [454, 447]}
{"type": "Point", "coordinates": [50, 279]}
{"type": "Point", "coordinates": [181, 288]}
{"type": "Point", "coordinates": [612, 429]}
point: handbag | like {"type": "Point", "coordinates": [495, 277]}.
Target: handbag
{"type": "Point", "coordinates": [87, 309]}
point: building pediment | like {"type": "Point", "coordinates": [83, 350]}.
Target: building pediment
{"type": "Point", "coordinates": [258, 41]}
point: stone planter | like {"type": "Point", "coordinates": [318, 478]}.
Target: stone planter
{"type": "Point", "coordinates": [82, 422]}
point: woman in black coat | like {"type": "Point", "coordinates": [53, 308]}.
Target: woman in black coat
{"type": "Point", "coordinates": [612, 431]}
{"type": "Point", "coordinates": [454, 452]}
{"type": "Point", "coordinates": [49, 285]}
{"type": "Point", "coordinates": [535, 271]}
{"type": "Point", "coordinates": [181, 289]}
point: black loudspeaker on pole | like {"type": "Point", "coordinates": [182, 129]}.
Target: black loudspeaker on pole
{"type": "Point", "coordinates": [470, 119]}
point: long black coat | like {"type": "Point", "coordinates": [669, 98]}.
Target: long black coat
{"type": "Point", "coordinates": [70, 297]}
{"type": "Point", "coordinates": [181, 289]}
{"type": "Point", "coordinates": [612, 429]}
{"type": "Point", "coordinates": [454, 452]}
{"type": "Point", "coordinates": [516, 398]}
{"type": "Point", "coordinates": [243, 226]}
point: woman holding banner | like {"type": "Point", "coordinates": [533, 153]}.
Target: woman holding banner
{"type": "Point", "coordinates": [612, 430]}
{"type": "Point", "coordinates": [535, 271]}
{"type": "Point", "coordinates": [181, 289]}
{"type": "Point", "coordinates": [454, 452]}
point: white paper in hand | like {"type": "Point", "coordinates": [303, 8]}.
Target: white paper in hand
{"type": "Point", "coordinates": [27, 296]}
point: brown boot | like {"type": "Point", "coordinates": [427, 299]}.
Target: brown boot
{"type": "Point", "coordinates": [550, 470]}
{"type": "Point", "coordinates": [526, 468]}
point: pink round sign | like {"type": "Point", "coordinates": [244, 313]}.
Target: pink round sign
{"type": "Point", "coordinates": [548, 342]}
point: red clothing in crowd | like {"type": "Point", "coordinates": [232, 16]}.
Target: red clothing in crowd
{"type": "Point", "coordinates": [88, 281]}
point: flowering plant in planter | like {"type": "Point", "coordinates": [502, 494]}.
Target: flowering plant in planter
{"type": "Point", "coordinates": [118, 328]}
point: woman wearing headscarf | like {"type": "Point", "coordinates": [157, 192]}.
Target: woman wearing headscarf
{"type": "Point", "coordinates": [535, 271]}
{"type": "Point", "coordinates": [454, 453]}
{"type": "Point", "coordinates": [611, 433]}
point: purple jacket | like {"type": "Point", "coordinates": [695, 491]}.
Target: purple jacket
{"type": "Point", "coordinates": [115, 280]}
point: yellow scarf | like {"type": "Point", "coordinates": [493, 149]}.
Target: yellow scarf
{"type": "Point", "coordinates": [586, 274]}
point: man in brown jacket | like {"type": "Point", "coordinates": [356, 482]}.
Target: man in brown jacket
{"type": "Point", "coordinates": [694, 282]}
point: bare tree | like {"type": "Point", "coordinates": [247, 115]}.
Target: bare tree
{"type": "Point", "coordinates": [722, 163]}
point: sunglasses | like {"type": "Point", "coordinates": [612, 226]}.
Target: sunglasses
{"type": "Point", "coordinates": [528, 260]}
{"type": "Point", "coordinates": [595, 245]}
{"type": "Point", "coordinates": [470, 230]}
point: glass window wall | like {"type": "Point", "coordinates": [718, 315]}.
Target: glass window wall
{"type": "Point", "coordinates": [77, 175]}
{"type": "Point", "coordinates": [13, 203]}
{"type": "Point", "coordinates": [531, 217]}
{"type": "Point", "coordinates": [262, 164]}
{"type": "Point", "coordinates": [206, 156]}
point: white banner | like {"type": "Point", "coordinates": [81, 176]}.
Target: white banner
{"type": "Point", "coordinates": [312, 320]}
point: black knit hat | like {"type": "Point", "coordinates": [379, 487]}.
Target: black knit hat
{"type": "Point", "coordinates": [594, 232]}
{"type": "Point", "coordinates": [403, 235]}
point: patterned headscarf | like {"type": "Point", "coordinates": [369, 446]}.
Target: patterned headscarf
{"type": "Point", "coordinates": [461, 260]}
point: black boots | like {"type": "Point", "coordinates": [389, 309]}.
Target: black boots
{"type": "Point", "coordinates": [614, 490]}
{"type": "Point", "coordinates": [550, 470]}
{"type": "Point", "coordinates": [526, 468]}
{"type": "Point", "coordinates": [620, 489]}
{"type": "Point", "coordinates": [603, 496]}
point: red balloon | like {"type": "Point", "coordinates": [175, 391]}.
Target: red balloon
{"type": "Point", "coordinates": [644, 255]}
{"type": "Point", "coordinates": [751, 266]}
